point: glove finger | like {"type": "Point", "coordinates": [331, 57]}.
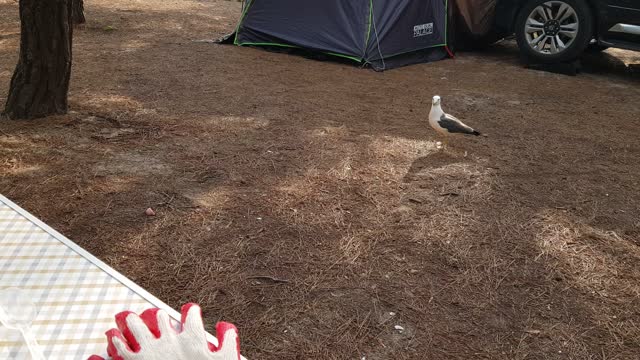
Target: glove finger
{"type": "Point", "coordinates": [228, 340]}
{"type": "Point", "coordinates": [121, 322]}
{"type": "Point", "coordinates": [95, 357]}
{"type": "Point", "coordinates": [192, 321]}
{"type": "Point", "coordinates": [150, 318]}
{"type": "Point", "coordinates": [140, 331]}
{"type": "Point", "coordinates": [158, 322]}
{"type": "Point", "coordinates": [164, 323]}
{"type": "Point", "coordinates": [117, 353]}
{"type": "Point", "coordinates": [121, 348]}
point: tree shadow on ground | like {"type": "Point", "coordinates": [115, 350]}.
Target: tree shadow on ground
{"type": "Point", "coordinates": [527, 263]}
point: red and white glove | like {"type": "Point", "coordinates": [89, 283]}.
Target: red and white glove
{"type": "Point", "coordinates": [151, 336]}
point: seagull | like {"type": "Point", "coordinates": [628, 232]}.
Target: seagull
{"type": "Point", "coordinates": [447, 124]}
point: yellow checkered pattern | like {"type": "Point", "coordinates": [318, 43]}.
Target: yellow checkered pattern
{"type": "Point", "coordinates": [76, 299]}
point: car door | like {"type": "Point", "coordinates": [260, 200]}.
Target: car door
{"type": "Point", "coordinates": [619, 22]}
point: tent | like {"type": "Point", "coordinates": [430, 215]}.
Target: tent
{"type": "Point", "coordinates": [381, 33]}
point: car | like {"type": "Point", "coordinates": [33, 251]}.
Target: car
{"type": "Point", "coordinates": [553, 31]}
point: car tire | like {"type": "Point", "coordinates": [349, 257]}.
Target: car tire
{"type": "Point", "coordinates": [552, 31]}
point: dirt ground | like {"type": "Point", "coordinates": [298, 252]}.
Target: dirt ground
{"type": "Point", "coordinates": [306, 202]}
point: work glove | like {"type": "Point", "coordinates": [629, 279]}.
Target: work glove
{"type": "Point", "coordinates": [151, 336]}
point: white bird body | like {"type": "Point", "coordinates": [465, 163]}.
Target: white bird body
{"type": "Point", "coordinates": [434, 116]}
{"type": "Point", "coordinates": [446, 124]}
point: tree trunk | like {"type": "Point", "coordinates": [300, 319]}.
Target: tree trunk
{"type": "Point", "coordinates": [40, 83]}
{"type": "Point", "coordinates": [78, 12]}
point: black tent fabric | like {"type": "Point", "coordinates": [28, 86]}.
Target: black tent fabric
{"type": "Point", "coordinates": [381, 33]}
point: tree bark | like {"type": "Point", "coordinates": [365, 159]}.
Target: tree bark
{"type": "Point", "coordinates": [40, 82]}
{"type": "Point", "coordinates": [78, 12]}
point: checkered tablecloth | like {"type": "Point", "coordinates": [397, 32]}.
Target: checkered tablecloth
{"type": "Point", "coordinates": [76, 294]}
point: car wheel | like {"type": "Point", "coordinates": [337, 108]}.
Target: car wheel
{"type": "Point", "coordinates": [553, 31]}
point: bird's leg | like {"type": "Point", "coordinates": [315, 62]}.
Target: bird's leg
{"type": "Point", "coordinates": [446, 142]}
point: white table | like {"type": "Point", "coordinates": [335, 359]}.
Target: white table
{"type": "Point", "coordinates": [77, 295]}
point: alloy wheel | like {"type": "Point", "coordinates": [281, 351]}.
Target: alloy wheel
{"type": "Point", "coordinates": [551, 27]}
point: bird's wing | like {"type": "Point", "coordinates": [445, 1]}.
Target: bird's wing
{"type": "Point", "coordinates": [453, 125]}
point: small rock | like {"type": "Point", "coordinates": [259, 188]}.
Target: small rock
{"type": "Point", "coordinates": [399, 328]}
{"type": "Point", "coordinates": [391, 313]}
{"type": "Point", "coordinates": [150, 212]}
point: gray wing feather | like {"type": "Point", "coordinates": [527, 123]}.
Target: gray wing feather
{"type": "Point", "coordinates": [453, 125]}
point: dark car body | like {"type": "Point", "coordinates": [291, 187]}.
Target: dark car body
{"type": "Point", "coordinates": [617, 21]}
